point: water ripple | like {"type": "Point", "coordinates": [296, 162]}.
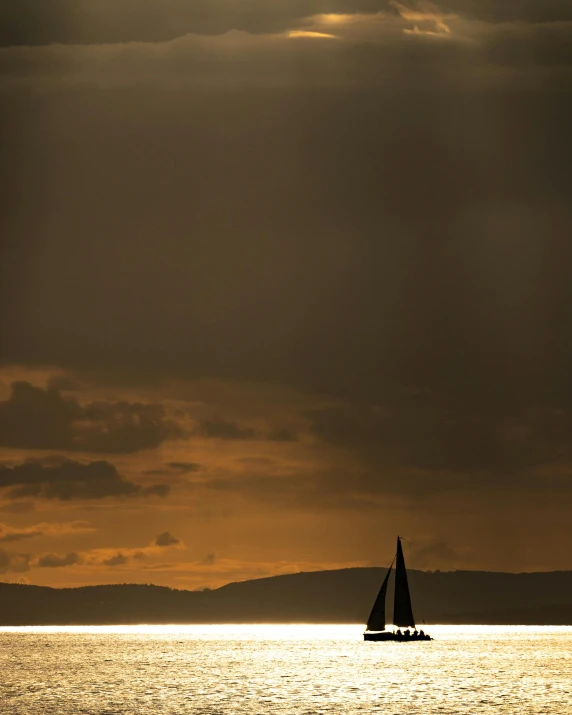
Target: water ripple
{"type": "Point", "coordinates": [219, 670]}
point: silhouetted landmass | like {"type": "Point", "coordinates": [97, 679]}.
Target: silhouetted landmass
{"type": "Point", "coordinates": [343, 596]}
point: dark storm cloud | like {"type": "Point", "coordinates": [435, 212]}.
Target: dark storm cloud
{"type": "Point", "coordinates": [61, 383]}
{"type": "Point", "coordinates": [64, 479]}
{"type": "Point", "coordinates": [25, 22]}
{"type": "Point", "coordinates": [267, 62]}
{"type": "Point", "coordinates": [166, 539]}
{"type": "Point", "coordinates": [223, 429]}
{"type": "Point", "coordinates": [108, 21]}
{"type": "Point", "coordinates": [388, 231]}
{"type": "Point", "coordinates": [35, 418]}
{"type": "Point", "coordinates": [426, 435]}
{"type": "Point", "coordinates": [283, 435]}
{"type": "Point", "coordinates": [548, 45]}
{"type": "Point", "coordinates": [363, 485]}
{"type": "Point", "coordinates": [420, 436]}
{"type": "Point", "coordinates": [339, 241]}
{"type": "Point", "coordinates": [94, 21]}
{"type": "Point", "coordinates": [536, 11]}
{"type": "Point", "coordinates": [53, 561]}
{"type": "Point", "coordinates": [360, 240]}
{"type": "Point", "coordinates": [418, 447]}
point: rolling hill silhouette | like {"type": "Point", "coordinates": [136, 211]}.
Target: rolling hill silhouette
{"type": "Point", "coordinates": [342, 596]}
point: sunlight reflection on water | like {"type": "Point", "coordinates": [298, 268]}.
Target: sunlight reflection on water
{"type": "Point", "coordinates": [219, 669]}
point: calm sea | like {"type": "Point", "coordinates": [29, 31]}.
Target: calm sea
{"type": "Point", "coordinates": [143, 670]}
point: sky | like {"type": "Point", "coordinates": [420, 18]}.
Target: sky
{"type": "Point", "coordinates": [281, 280]}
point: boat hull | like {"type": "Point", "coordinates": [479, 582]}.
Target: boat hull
{"type": "Point", "coordinates": [399, 638]}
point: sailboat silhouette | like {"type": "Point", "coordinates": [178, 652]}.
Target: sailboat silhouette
{"type": "Point", "coordinates": [402, 611]}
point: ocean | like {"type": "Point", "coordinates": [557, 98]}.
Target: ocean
{"type": "Point", "coordinates": [255, 669]}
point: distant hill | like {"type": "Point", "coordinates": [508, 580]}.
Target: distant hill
{"type": "Point", "coordinates": [343, 596]}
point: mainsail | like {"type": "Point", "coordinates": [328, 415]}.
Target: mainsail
{"type": "Point", "coordinates": [376, 620]}
{"type": "Point", "coordinates": [402, 612]}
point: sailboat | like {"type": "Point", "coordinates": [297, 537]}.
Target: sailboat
{"type": "Point", "coordinates": [402, 611]}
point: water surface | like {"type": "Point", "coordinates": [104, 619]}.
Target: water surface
{"type": "Point", "coordinates": [215, 670]}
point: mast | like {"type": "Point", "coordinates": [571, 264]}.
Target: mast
{"type": "Point", "coordinates": [402, 611]}
{"type": "Point", "coordinates": [376, 620]}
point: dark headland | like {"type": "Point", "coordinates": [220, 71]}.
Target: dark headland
{"type": "Point", "coordinates": [343, 596]}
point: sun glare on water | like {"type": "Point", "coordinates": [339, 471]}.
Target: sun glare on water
{"type": "Point", "coordinates": [249, 669]}
{"type": "Point", "coordinates": [233, 631]}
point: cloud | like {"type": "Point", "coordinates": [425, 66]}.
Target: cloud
{"type": "Point", "coordinates": [8, 533]}
{"type": "Point", "coordinates": [88, 559]}
{"type": "Point", "coordinates": [34, 418]}
{"type": "Point", "coordinates": [279, 45]}
{"type": "Point", "coordinates": [53, 561]}
{"type": "Point", "coordinates": [418, 434]}
{"type": "Point", "coordinates": [283, 435]}
{"type": "Point", "coordinates": [176, 468]}
{"type": "Point", "coordinates": [380, 50]}
{"type": "Point", "coordinates": [63, 383]}
{"type": "Point", "coordinates": [424, 13]}
{"type": "Point", "coordinates": [117, 560]}
{"type": "Point", "coordinates": [95, 21]}
{"type": "Point", "coordinates": [65, 479]}
{"type": "Point", "coordinates": [508, 11]}
{"type": "Point", "coordinates": [387, 232]}
{"type": "Point", "coordinates": [317, 339]}
{"type": "Point", "coordinates": [437, 554]}
{"type": "Point", "coordinates": [310, 34]}
{"type": "Point", "coordinates": [420, 445]}
{"type": "Point", "coordinates": [415, 448]}
{"type": "Point", "coordinates": [530, 47]}
{"type": "Point", "coordinates": [321, 489]}
{"type": "Point", "coordinates": [184, 467]}
{"type": "Point", "coordinates": [17, 563]}
{"type": "Point", "coordinates": [96, 558]}
{"type": "Point", "coordinates": [424, 433]}
{"type": "Point", "coordinates": [222, 429]}
{"type": "Point", "coordinates": [18, 507]}
{"type": "Point", "coordinates": [166, 539]}
{"type": "Point", "coordinates": [158, 490]}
